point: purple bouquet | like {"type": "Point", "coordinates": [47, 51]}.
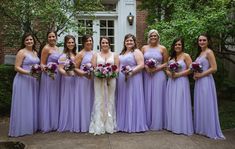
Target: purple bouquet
{"type": "Point", "coordinates": [151, 63]}
{"type": "Point", "coordinates": [69, 65]}
{"type": "Point", "coordinates": [36, 71]}
{"type": "Point", "coordinates": [196, 67]}
{"type": "Point", "coordinates": [174, 67]}
{"type": "Point", "coordinates": [106, 71]}
{"type": "Point", "coordinates": [88, 68]}
{"type": "Point", "coordinates": [51, 69]}
{"type": "Point", "coordinates": [126, 70]}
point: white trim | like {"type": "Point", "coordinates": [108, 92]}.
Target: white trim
{"type": "Point", "coordinates": [98, 14]}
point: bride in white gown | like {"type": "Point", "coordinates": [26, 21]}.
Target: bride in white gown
{"type": "Point", "coordinates": [103, 117]}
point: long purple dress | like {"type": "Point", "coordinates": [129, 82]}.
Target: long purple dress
{"type": "Point", "coordinates": [206, 118]}
{"type": "Point", "coordinates": [178, 104]}
{"type": "Point", "coordinates": [49, 98]}
{"type": "Point", "coordinates": [131, 114]}
{"type": "Point", "coordinates": [84, 97]}
{"type": "Point", "coordinates": [67, 97]}
{"type": "Point", "coordinates": [154, 92]}
{"type": "Point", "coordinates": [24, 104]}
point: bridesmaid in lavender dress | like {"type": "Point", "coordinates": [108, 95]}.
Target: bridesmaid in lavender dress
{"type": "Point", "coordinates": [131, 115]}
{"type": "Point", "coordinates": [23, 118]}
{"type": "Point", "coordinates": [84, 87]}
{"type": "Point", "coordinates": [155, 81]}
{"type": "Point", "coordinates": [178, 99]}
{"type": "Point", "coordinates": [66, 60]}
{"type": "Point", "coordinates": [206, 118]}
{"type": "Point", "coordinates": [49, 98]}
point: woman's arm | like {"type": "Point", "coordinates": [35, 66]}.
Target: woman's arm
{"type": "Point", "coordinates": [61, 70]}
{"type": "Point", "coordinates": [213, 66]}
{"type": "Point", "coordinates": [165, 57]}
{"type": "Point", "coordinates": [116, 62]}
{"type": "Point", "coordinates": [143, 49]}
{"type": "Point", "coordinates": [18, 63]}
{"type": "Point", "coordinates": [44, 55]}
{"type": "Point", "coordinates": [139, 60]}
{"type": "Point", "coordinates": [94, 60]}
{"type": "Point", "coordinates": [168, 73]}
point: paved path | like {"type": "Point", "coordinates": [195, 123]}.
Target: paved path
{"type": "Point", "coordinates": [147, 140]}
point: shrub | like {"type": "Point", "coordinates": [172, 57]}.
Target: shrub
{"type": "Point", "coordinates": [7, 74]}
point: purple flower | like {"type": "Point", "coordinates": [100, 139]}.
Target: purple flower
{"type": "Point", "coordinates": [105, 71]}
{"type": "Point", "coordinates": [126, 70]}
{"type": "Point", "coordinates": [196, 67]}
{"type": "Point", "coordinates": [36, 71]}
{"type": "Point", "coordinates": [88, 68]}
{"type": "Point", "coordinates": [151, 63]}
{"type": "Point", "coordinates": [174, 67]}
{"type": "Point", "coordinates": [69, 65]}
{"type": "Point", "coordinates": [51, 69]}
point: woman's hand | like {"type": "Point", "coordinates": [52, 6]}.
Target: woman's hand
{"type": "Point", "coordinates": [87, 75]}
{"type": "Point", "coordinates": [43, 67]}
{"type": "Point", "coordinates": [128, 75]}
{"type": "Point", "coordinates": [197, 75]}
{"type": "Point", "coordinates": [70, 73]}
{"type": "Point", "coordinates": [169, 74]}
{"type": "Point", "coordinates": [176, 75]}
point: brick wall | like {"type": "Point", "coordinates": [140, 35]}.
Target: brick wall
{"type": "Point", "coordinates": [4, 50]}
{"type": "Point", "coordinates": [141, 25]}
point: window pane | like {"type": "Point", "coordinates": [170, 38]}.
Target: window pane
{"type": "Point", "coordinates": [89, 23]}
{"type": "Point", "coordinates": [102, 23]}
{"type": "Point", "coordinates": [112, 48]}
{"type": "Point", "coordinates": [110, 23]}
{"type": "Point", "coordinates": [79, 40]}
{"type": "Point", "coordinates": [81, 22]}
{"type": "Point", "coordinates": [110, 32]}
{"type": "Point", "coordinates": [79, 47]}
{"type": "Point", "coordinates": [89, 31]}
{"type": "Point", "coordinates": [112, 40]}
{"type": "Point", "coordinates": [102, 32]}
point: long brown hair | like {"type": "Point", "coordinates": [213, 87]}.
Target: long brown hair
{"type": "Point", "coordinates": [124, 47]}
{"type": "Point", "coordinates": [85, 38]}
{"type": "Point", "coordinates": [66, 49]}
{"type": "Point", "coordinates": [23, 39]}
{"type": "Point", "coordinates": [208, 40]}
{"type": "Point", "coordinates": [45, 41]}
{"type": "Point", "coordinates": [173, 52]}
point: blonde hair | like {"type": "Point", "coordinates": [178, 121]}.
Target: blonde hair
{"type": "Point", "coordinates": [153, 31]}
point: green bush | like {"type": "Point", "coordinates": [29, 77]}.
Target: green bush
{"type": "Point", "coordinates": [7, 74]}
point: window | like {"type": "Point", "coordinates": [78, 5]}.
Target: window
{"type": "Point", "coordinates": [85, 27]}
{"type": "Point", "coordinates": [107, 29]}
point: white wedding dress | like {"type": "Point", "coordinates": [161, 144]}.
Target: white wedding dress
{"type": "Point", "coordinates": [103, 117]}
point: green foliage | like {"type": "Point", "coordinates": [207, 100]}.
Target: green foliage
{"type": "Point", "coordinates": [6, 80]}
{"type": "Point", "coordinates": [40, 16]}
{"type": "Point", "coordinates": [227, 113]}
{"type": "Point", "coordinates": [189, 24]}
{"type": "Point", "coordinates": [189, 19]}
